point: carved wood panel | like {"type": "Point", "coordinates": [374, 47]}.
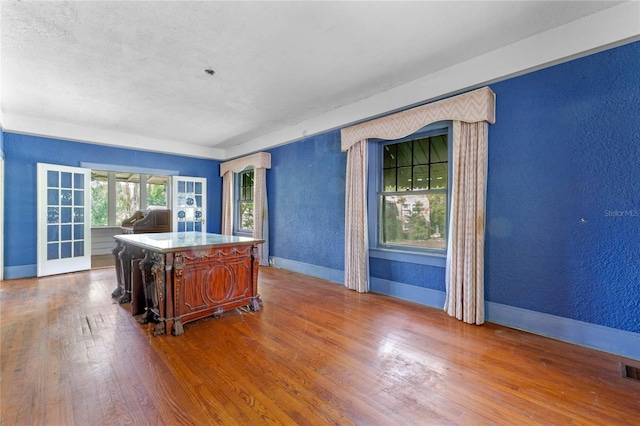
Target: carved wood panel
{"type": "Point", "coordinates": [207, 282]}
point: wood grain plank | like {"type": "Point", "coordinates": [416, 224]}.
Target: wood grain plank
{"type": "Point", "coordinates": [316, 353]}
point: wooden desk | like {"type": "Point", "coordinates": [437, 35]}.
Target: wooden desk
{"type": "Point", "coordinates": [185, 276]}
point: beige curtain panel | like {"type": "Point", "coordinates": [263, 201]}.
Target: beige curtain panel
{"type": "Point", "coordinates": [261, 213]}
{"type": "Point", "coordinates": [356, 263]}
{"type": "Point", "coordinates": [227, 203]}
{"type": "Point", "coordinates": [465, 256]}
{"type": "Point", "coordinates": [471, 113]}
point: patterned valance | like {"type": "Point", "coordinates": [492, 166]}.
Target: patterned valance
{"type": "Point", "coordinates": [471, 107]}
{"type": "Point", "coordinates": [257, 161]}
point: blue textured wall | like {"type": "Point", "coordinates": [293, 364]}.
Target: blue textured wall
{"type": "Point", "coordinates": [305, 187]}
{"type": "Point", "coordinates": [23, 152]}
{"type": "Point", "coordinates": [425, 276]}
{"type": "Point", "coordinates": [564, 191]}
{"type": "Point", "coordinates": [565, 147]}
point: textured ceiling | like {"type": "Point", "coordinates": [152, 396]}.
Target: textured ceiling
{"type": "Point", "coordinates": [135, 70]}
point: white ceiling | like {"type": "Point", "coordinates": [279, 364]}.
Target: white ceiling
{"type": "Point", "coordinates": [132, 73]}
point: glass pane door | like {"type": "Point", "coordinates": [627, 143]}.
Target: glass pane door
{"type": "Point", "coordinates": [64, 209]}
{"type": "Point", "coordinates": [189, 204]}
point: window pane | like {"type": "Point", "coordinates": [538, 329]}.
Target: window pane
{"type": "Point", "coordinates": [78, 249]}
{"type": "Point", "coordinates": [53, 215]}
{"type": "Point", "coordinates": [78, 232]}
{"type": "Point", "coordinates": [78, 198]}
{"type": "Point", "coordinates": [439, 149]}
{"type": "Point", "coordinates": [127, 199]}
{"type": "Point", "coordinates": [53, 179]}
{"type": "Point", "coordinates": [156, 195]}
{"type": "Point", "coordinates": [438, 176]}
{"type": "Point", "coordinates": [52, 197]}
{"type": "Point", "coordinates": [66, 197]}
{"type": "Point", "coordinates": [78, 215]}
{"type": "Point", "coordinates": [65, 180]}
{"type": "Point", "coordinates": [421, 177]}
{"type": "Point", "coordinates": [246, 185]}
{"type": "Point", "coordinates": [389, 180]}
{"type": "Point", "coordinates": [78, 181]}
{"type": "Point", "coordinates": [389, 154]}
{"type": "Point", "coordinates": [391, 229]}
{"type": "Point", "coordinates": [65, 215]}
{"type": "Point", "coordinates": [421, 151]}
{"type": "Point", "coordinates": [416, 220]}
{"type": "Point", "coordinates": [65, 232]}
{"type": "Point", "coordinates": [52, 233]}
{"type": "Point", "coordinates": [99, 203]}
{"type": "Point", "coordinates": [246, 215]}
{"type": "Point", "coordinates": [404, 178]}
{"type": "Point", "coordinates": [52, 251]}
{"type": "Point", "coordinates": [404, 154]}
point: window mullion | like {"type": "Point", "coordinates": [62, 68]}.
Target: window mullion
{"type": "Point", "coordinates": [429, 164]}
{"type": "Point", "coordinates": [111, 194]}
{"type": "Point", "coordinates": [143, 192]}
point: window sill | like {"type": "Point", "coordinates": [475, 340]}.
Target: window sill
{"type": "Point", "coordinates": [429, 259]}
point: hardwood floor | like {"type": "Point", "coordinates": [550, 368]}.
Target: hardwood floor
{"type": "Point", "coordinates": [315, 354]}
{"type": "Point", "coordinates": [102, 261]}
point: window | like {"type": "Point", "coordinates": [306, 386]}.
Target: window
{"type": "Point", "coordinates": [244, 202]}
{"type": "Point", "coordinates": [413, 192]}
{"type": "Point", "coordinates": [115, 196]}
{"type": "Point", "coordinates": [127, 195]}
{"type": "Point", "coordinates": [99, 201]}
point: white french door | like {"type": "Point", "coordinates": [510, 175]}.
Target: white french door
{"type": "Point", "coordinates": [64, 219]}
{"type": "Point", "coordinates": [189, 204]}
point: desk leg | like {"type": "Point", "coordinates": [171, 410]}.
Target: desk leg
{"type": "Point", "coordinates": [173, 265]}
{"type": "Point", "coordinates": [120, 286]}
{"type": "Point", "coordinates": [148, 289]}
{"type": "Point", "coordinates": [138, 302]}
{"type": "Point", "coordinates": [126, 255]}
{"type": "Point", "coordinates": [153, 278]}
{"type": "Point", "coordinates": [256, 301]}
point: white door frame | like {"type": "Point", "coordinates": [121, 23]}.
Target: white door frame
{"type": "Point", "coordinates": [64, 219]}
{"type": "Point", "coordinates": [188, 204]}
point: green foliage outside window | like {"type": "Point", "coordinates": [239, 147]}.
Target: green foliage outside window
{"type": "Point", "coordinates": [99, 203]}
{"type": "Point", "coordinates": [156, 195]}
{"type": "Point", "coordinates": [127, 200]}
